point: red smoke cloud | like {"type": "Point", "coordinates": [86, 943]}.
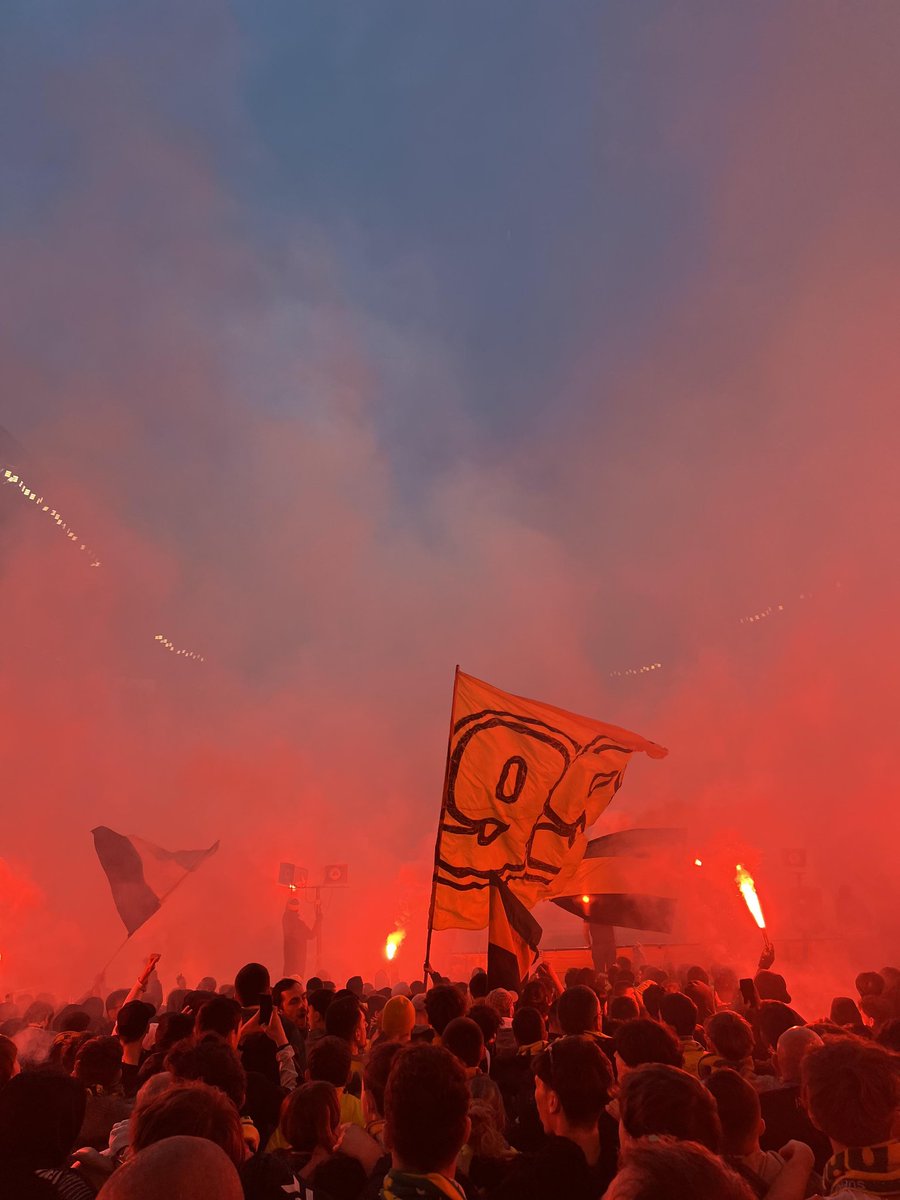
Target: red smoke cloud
{"type": "Point", "coordinates": [741, 454]}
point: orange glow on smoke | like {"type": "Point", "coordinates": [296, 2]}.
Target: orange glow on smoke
{"type": "Point", "coordinates": [744, 880]}
{"type": "Point", "coordinates": [392, 945]}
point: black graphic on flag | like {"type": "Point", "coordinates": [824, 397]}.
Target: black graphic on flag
{"type": "Point", "coordinates": [524, 782]}
{"type": "Point", "coordinates": [629, 879]}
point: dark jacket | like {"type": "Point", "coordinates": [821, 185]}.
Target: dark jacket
{"type": "Point", "coordinates": [559, 1169]}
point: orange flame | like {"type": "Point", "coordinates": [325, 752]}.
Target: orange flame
{"type": "Point", "coordinates": [744, 880]}
{"type": "Point", "coordinates": [392, 945]}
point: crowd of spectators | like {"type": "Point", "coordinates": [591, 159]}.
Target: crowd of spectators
{"type": "Point", "coordinates": [639, 1084]}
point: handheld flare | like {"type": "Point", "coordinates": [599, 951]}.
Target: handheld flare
{"type": "Point", "coordinates": [392, 945]}
{"type": "Point", "coordinates": [747, 887]}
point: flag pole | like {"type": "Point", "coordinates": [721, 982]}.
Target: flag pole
{"type": "Point", "coordinates": [437, 840]}
{"type": "Point", "coordinates": [115, 954]}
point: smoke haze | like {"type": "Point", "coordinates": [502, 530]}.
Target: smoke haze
{"type": "Point", "coordinates": [356, 346]}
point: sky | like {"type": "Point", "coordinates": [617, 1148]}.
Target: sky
{"type": "Point", "coordinates": [358, 341]}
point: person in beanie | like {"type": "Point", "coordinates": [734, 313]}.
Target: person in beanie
{"type": "Point", "coordinates": [397, 1019]}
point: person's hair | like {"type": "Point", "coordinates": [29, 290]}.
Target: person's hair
{"type": "Point", "coordinates": [41, 1113]}
{"type": "Point", "coordinates": [320, 1000]}
{"type": "Point", "coordinates": [93, 1006]}
{"type": "Point", "coordinates": [487, 1019]}
{"type": "Point", "coordinates": [259, 1054]}
{"type": "Point", "coordinates": [844, 1011]}
{"type": "Point", "coordinates": [282, 986]}
{"type": "Point", "coordinates": [645, 1041]}
{"type": "Point", "coordinates": [133, 1020]}
{"type": "Point", "coordinates": [579, 1072]}
{"type": "Point", "coordinates": [65, 1047]}
{"type": "Point", "coordinates": [479, 985]}
{"type": "Point", "coordinates": [194, 1001]}
{"type": "Point", "coordinates": [869, 983]}
{"type": "Point", "coordinates": [206, 984]}
{"type": "Point", "coordinates": [487, 1113]}
{"type": "Point", "coordinates": [578, 1010]}
{"type": "Point", "coordinates": [737, 1103]}
{"type": "Point", "coordinates": [218, 1015]}
{"type": "Point", "coordinates": [310, 1117]}
{"type": "Point", "coordinates": [535, 995]}
{"type": "Point", "coordinates": [679, 1011]}
{"type": "Point", "coordinates": [703, 996]}
{"type": "Point", "coordinates": [342, 1017]}
{"type": "Point", "coordinates": [775, 1017]}
{"type": "Point", "coordinates": [572, 977]}
{"type": "Point", "coordinates": [659, 1099]}
{"type": "Point", "coordinates": [210, 1061]}
{"type": "Point", "coordinates": [175, 1000]}
{"type": "Point", "coordinates": [313, 984]}
{"type": "Point", "coordinates": [623, 1008]}
{"type": "Point", "coordinates": [426, 1106]}
{"type": "Point", "coordinates": [188, 1167]}
{"type": "Point", "coordinates": [37, 1012]}
{"type": "Point", "coordinates": [889, 1035]}
{"type": "Point", "coordinates": [483, 1088]}
{"type": "Point", "coordinates": [98, 1062]}
{"type": "Point", "coordinates": [152, 1087]}
{"type": "Point", "coordinates": [651, 998]}
{"type": "Point", "coordinates": [71, 1019]}
{"type": "Point", "coordinates": [731, 1035]}
{"type": "Point", "coordinates": [193, 1110]}
{"type": "Point", "coordinates": [443, 1004]}
{"type": "Point", "coordinates": [173, 1027]}
{"type": "Point", "coordinates": [9, 1052]}
{"type": "Point", "coordinates": [697, 974]}
{"type": "Point", "coordinates": [329, 1059]}
{"type": "Point", "coordinates": [377, 1070]}
{"type": "Point", "coordinates": [528, 1026]}
{"type": "Point", "coordinates": [464, 1039]}
{"type": "Point", "coordinates": [850, 1089]}
{"type": "Point", "coordinates": [116, 999]}
{"type": "Point", "coordinates": [251, 982]}
{"type": "Point", "coordinates": [677, 1170]}
{"type": "Point", "coordinates": [355, 985]}
{"type": "Point", "coordinates": [654, 974]}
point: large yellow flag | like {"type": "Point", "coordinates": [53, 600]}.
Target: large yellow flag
{"type": "Point", "coordinates": [524, 781]}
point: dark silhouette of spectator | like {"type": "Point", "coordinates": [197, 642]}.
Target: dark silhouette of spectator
{"type": "Point", "coordinates": [41, 1114]}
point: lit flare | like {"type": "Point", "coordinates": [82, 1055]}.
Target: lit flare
{"type": "Point", "coordinates": [744, 880]}
{"type": "Point", "coordinates": [392, 945]}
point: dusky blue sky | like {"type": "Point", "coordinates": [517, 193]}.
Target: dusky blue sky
{"type": "Point", "coordinates": [497, 178]}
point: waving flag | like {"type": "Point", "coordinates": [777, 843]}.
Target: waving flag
{"type": "Point", "coordinates": [627, 878]}
{"type": "Point", "coordinates": [513, 939]}
{"type": "Point", "coordinates": [142, 875]}
{"type": "Point", "coordinates": [524, 781]}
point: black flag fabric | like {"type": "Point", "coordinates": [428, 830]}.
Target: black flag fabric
{"type": "Point", "coordinates": [628, 879]}
{"type": "Point", "coordinates": [141, 875]}
{"type": "Point", "coordinates": [513, 938]}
